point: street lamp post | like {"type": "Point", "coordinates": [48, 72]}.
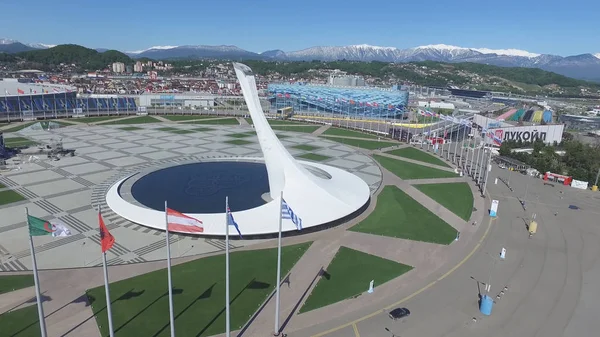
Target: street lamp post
{"type": "Point", "coordinates": [390, 331]}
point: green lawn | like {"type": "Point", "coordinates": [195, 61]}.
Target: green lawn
{"type": "Point", "coordinates": [400, 216]}
{"type": "Point", "coordinates": [177, 118]}
{"type": "Point", "coordinates": [18, 142]}
{"type": "Point", "coordinates": [133, 120]}
{"type": "Point", "coordinates": [9, 283]}
{"type": "Point", "coordinates": [416, 154]}
{"type": "Point", "coordinates": [363, 144]}
{"type": "Point", "coordinates": [222, 121]}
{"type": "Point", "coordinates": [456, 197]}
{"type": "Point", "coordinates": [282, 136]}
{"type": "Point", "coordinates": [314, 157]}
{"type": "Point", "coordinates": [20, 323]}
{"type": "Point", "coordinates": [2, 185]}
{"type": "Point", "coordinates": [183, 132]}
{"type": "Point", "coordinates": [237, 142]}
{"type": "Point", "coordinates": [406, 170]}
{"type": "Point", "coordinates": [240, 135]}
{"type": "Point", "coordinates": [140, 304]}
{"type": "Point", "coordinates": [131, 128]}
{"type": "Point", "coordinates": [296, 128]}
{"type": "Point", "coordinates": [18, 127]}
{"type": "Point", "coordinates": [202, 129]}
{"type": "Point", "coordinates": [10, 196]}
{"type": "Point", "coordinates": [349, 274]}
{"type": "Point", "coordinates": [348, 133]}
{"type": "Point", "coordinates": [167, 129]}
{"type": "Point", "coordinates": [305, 147]}
{"type": "Point", "coordinates": [96, 119]}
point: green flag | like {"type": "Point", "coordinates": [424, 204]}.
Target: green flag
{"type": "Point", "coordinates": [38, 227]}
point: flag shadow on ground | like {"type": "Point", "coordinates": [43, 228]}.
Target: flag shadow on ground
{"type": "Point", "coordinates": [253, 284]}
{"type": "Point", "coordinates": [206, 294]}
{"type": "Point", "coordinates": [131, 294]}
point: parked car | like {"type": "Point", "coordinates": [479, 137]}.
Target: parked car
{"type": "Point", "coordinates": [399, 313]}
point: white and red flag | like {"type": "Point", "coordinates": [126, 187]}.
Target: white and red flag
{"type": "Point", "coordinates": [181, 223]}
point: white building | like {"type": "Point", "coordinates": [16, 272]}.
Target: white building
{"type": "Point", "coordinates": [178, 100]}
{"type": "Point", "coordinates": [346, 80]}
{"type": "Point", "coordinates": [436, 105]}
{"type": "Point", "coordinates": [138, 67]}
{"type": "Point", "coordinates": [118, 67]}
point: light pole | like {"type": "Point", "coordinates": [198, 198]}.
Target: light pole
{"type": "Point", "coordinates": [488, 286]}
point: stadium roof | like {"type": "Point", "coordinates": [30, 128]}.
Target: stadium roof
{"type": "Point", "coordinates": [350, 95]}
{"type": "Point", "coordinates": [10, 87]}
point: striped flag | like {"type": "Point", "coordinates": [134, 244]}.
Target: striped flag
{"type": "Point", "coordinates": [179, 222]}
{"type": "Point", "coordinates": [287, 213]}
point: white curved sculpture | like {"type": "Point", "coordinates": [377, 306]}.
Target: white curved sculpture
{"type": "Point", "coordinates": [318, 194]}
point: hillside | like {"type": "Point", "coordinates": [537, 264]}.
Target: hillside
{"type": "Point", "coordinates": [464, 75]}
{"type": "Point", "coordinates": [85, 58]}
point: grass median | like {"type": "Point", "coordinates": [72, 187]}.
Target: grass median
{"type": "Point", "coordinates": [405, 170]}
{"type": "Point", "coordinates": [456, 197]}
{"type": "Point", "coordinates": [400, 216]}
{"type": "Point", "coordinates": [140, 304]}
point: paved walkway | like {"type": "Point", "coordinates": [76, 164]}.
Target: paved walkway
{"type": "Point", "coordinates": [320, 130]}
{"type": "Point", "coordinates": [242, 121]}
{"type": "Point", "coordinates": [443, 168]}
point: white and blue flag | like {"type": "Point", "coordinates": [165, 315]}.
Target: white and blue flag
{"type": "Point", "coordinates": [231, 222]}
{"type": "Point", "coordinates": [287, 213]}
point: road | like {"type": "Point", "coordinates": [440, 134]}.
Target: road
{"type": "Point", "coordinates": [550, 278]}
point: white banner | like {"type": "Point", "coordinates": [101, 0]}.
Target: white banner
{"type": "Point", "coordinates": [583, 185]}
{"type": "Point", "coordinates": [494, 208]}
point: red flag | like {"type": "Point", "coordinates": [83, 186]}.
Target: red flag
{"type": "Point", "coordinates": [20, 92]}
{"type": "Point", "coordinates": [106, 239]}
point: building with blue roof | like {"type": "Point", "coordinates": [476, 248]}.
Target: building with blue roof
{"type": "Point", "coordinates": [349, 101]}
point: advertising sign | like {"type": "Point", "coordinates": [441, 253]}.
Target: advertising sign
{"type": "Point", "coordinates": [494, 208]}
{"type": "Point", "coordinates": [547, 133]}
{"type": "Point", "coordinates": [583, 185]}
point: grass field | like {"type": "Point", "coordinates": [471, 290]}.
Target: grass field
{"type": "Point", "coordinates": [131, 128]}
{"type": "Point", "coordinates": [349, 274]}
{"type": "Point", "coordinates": [95, 119]}
{"type": "Point", "coordinates": [400, 216]}
{"type": "Point", "coordinates": [348, 133]}
{"type": "Point", "coordinates": [18, 142]}
{"type": "Point", "coordinates": [177, 118]}
{"type": "Point", "coordinates": [237, 142]}
{"type": "Point", "coordinates": [416, 154]}
{"type": "Point", "coordinates": [2, 185]}
{"type": "Point", "coordinates": [313, 157]}
{"type": "Point", "coordinates": [9, 283]}
{"type": "Point", "coordinates": [456, 197]}
{"type": "Point", "coordinates": [363, 144]}
{"type": "Point", "coordinates": [10, 196]}
{"type": "Point", "coordinates": [240, 135]}
{"type": "Point", "coordinates": [167, 129]}
{"type": "Point", "coordinates": [406, 170]}
{"type": "Point", "coordinates": [296, 128]}
{"type": "Point", "coordinates": [20, 323]}
{"type": "Point", "coordinates": [305, 147]}
{"type": "Point", "coordinates": [202, 129]}
{"type": "Point", "coordinates": [140, 304]}
{"type": "Point", "coordinates": [134, 120]}
{"type": "Point", "coordinates": [44, 125]}
{"type": "Point", "coordinates": [222, 121]}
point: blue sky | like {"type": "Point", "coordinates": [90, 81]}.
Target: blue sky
{"type": "Point", "coordinates": [551, 26]}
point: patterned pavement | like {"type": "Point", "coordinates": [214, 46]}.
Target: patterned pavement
{"type": "Point", "coordinates": [69, 190]}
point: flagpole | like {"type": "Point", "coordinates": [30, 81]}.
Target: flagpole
{"type": "Point", "coordinates": [36, 280]}
{"type": "Point", "coordinates": [278, 268]}
{"type": "Point", "coordinates": [106, 289]}
{"type": "Point", "coordinates": [456, 141]}
{"type": "Point", "coordinates": [171, 320]}
{"type": "Point", "coordinates": [227, 313]}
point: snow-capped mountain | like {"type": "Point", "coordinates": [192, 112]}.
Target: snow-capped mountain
{"type": "Point", "coordinates": [201, 51]}
{"type": "Point", "coordinates": [585, 66]}
{"type": "Point", "coordinates": [151, 48]}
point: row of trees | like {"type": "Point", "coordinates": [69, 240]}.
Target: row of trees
{"type": "Point", "coordinates": [581, 161]}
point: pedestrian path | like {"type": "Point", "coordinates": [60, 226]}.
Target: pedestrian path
{"type": "Point", "coordinates": [320, 130]}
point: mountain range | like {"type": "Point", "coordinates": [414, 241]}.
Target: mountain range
{"type": "Point", "coordinates": [584, 66]}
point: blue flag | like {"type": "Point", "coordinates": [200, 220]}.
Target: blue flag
{"type": "Point", "coordinates": [231, 222]}
{"type": "Point", "coordinates": [287, 213]}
